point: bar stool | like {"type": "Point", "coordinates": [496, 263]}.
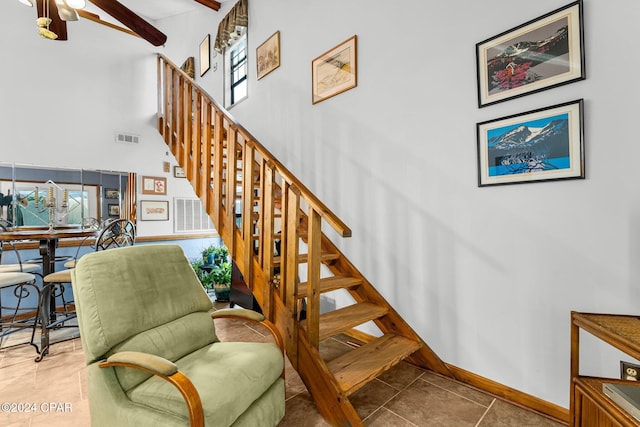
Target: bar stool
{"type": "Point", "coordinates": [114, 233]}
{"type": "Point", "coordinates": [20, 266]}
{"type": "Point", "coordinates": [23, 286]}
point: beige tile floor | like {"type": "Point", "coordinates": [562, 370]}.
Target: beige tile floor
{"type": "Point", "coordinates": [55, 389]}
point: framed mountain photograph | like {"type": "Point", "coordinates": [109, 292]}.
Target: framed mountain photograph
{"type": "Point", "coordinates": [540, 145]}
{"type": "Point", "coordinates": [540, 54]}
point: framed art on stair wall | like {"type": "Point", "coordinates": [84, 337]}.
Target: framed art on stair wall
{"type": "Point", "coordinates": [335, 71]}
{"type": "Point", "coordinates": [538, 55]}
{"type": "Point", "coordinates": [539, 145]}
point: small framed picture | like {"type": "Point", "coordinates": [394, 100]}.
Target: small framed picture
{"type": "Point", "coordinates": [114, 210]}
{"type": "Point", "coordinates": [537, 55]}
{"type": "Point", "coordinates": [268, 55]}
{"type": "Point", "coordinates": [111, 193]}
{"type": "Point", "coordinates": [205, 55]}
{"type": "Point", "coordinates": [540, 145]}
{"type": "Point", "coordinates": [154, 210]}
{"type": "Point", "coordinates": [178, 172]}
{"type": "Point", "coordinates": [154, 185]}
{"type": "Point", "coordinates": [335, 71]}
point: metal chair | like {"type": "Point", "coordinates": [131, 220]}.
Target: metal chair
{"type": "Point", "coordinates": [114, 233]}
{"type": "Point", "coordinates": [111, 233]}
{"type": "Point", "coordinates": [18, 315]}
{"type": "Point", "coordinates": [24, 267]}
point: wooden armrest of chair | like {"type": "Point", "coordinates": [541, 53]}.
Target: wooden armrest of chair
{"type": "Point", "coordinates": [166, 370]}
{"type": "Point", "coordinates": [252, 316]}
{"type": "Point", "coordinates": [241, 313]}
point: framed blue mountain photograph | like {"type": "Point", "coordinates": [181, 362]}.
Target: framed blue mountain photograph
{"type": "Point", "coordinates": [539, 145]}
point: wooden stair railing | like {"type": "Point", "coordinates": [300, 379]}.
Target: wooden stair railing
{"type": "Point", "coordinates": [254, 201]}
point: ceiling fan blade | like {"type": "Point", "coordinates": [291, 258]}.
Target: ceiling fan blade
{"type": "Point", "coordinates": [66, 13]}
{"type": "Point", "coordinates": [57, 25]}
{"type": "Point", "coordinates": [132, 21]}
{"type": "Point", "coordinates": [95, 18]}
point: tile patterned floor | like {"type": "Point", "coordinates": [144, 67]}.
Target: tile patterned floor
{"type": "Point", "coordinates": [405, 396]}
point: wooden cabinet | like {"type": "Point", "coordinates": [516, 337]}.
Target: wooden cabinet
{"type": "Point", "coordinates": [589, 406]}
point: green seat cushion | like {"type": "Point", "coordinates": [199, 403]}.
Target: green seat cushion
{"type": "Point", "coordinates": [171, 341]}
{"type": "Point", "coordinates": [229, 377]}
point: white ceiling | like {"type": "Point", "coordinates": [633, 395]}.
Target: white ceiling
{"type": "Point", "coordinates": [158, 9]}
{"type": "Point", "coordinates": [153, 9]}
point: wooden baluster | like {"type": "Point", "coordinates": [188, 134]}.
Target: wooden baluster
{"type": "Point", "coordinates": [205, 160]}
{"type": "Point", "coordinates": [185, 133]}
{"type": "Point", "coordinates": [175, 109]}
{"type": "Point", "coordinates": [194, 142]}
{"type": "Point", "coordinates": [215, 200]}
{"type": "Point", "coordinates": [313, 277]}
{"type": "Point", "coordinates": [167, 106]}
{"type": "Point", "coordinates": [259, 168]}
{"type": "Point", "coordinates": [161, 112]}
{"type": "Point", "coordinates": [267, 231]}
{"type": "Point", "coordinates": [230, 215]}
{"type": "Point", "coordinates": [248, 199]}
{"type": "Point", "coordinates": [290, 260]}
{"type": "Point", "coordinates": [179, 125]}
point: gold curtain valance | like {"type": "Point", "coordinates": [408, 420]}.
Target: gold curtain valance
{"type": "Point", "coordinates": [232, 26]}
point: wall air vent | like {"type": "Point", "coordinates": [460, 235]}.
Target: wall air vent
{"type": "Point", "coordinates": [127, 138]}
{"type": "Point", "coordinates": [189, 216]}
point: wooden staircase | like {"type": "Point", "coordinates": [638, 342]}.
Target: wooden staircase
{"type": "Point", "coordinates": [253, 201]}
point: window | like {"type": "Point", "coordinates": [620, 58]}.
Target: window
{"type": "Point", "coordinates": [236, 72]}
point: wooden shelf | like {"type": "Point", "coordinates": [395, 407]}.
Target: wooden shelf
{"type": "Point", "coordinates": [590, 407]}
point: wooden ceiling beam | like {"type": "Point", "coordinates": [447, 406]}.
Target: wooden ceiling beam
{"type": "Point", "coordinates": [213, 4]}
{"type": "Point", "coordinates": [57, 25]}
{"type": "Point", "coordinates": [132, 21]}
{"type": "Point", "coordinates": [95, 18]}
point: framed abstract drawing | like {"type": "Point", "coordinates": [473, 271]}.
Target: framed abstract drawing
{"type": "Point", "coordinates": [154, 210]}
{"type": "Point", "coordinates": [539, 145]}
{"type": "Point", "coordinates": [335, 71]}
{"type": "Point", "coordinates": [540, 54]}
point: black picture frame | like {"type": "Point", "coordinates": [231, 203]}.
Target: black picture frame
{"type": "Point", "coordinates": [546, 144]}
{"type": "Point", "coordinates": [111, 193]}
{"type": "Point", "coordinates": [114, 210]}
{"type": "Point", "coordinates": [205, 55]}
{"type": "Point", "coordinates": [543, 53]}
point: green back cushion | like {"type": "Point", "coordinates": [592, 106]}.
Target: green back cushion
{"type": "Point", "coordinates": [149, 289]}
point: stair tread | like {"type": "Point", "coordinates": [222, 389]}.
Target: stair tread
{"type": "Point", "coordinates": [356, 368]}
{"type": "Point", "coordinates": [303, 258]}
{"type": "Point", "coordinates": [345, 318]}
{"type": "Point", "coordinates": [329, 284]}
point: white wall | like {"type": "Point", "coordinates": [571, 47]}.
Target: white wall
{"type": "Point", "coordinates": [487, 276]}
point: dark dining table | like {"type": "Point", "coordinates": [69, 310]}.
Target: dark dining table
{"type": "Point", "coordinates": [48, 241]}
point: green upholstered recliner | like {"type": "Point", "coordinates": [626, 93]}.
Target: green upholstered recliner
{"type": "Point", "coordinates": [151, 348]}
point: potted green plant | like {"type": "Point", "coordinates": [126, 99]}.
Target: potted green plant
{"type": "Point", "coordinates": [204, 276]}
{"type": "Point", "coordinates": [221, 279]}
{"type": "Point", "coordinates": [208, 254]}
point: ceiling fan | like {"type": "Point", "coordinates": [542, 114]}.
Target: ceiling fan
{"type": "Point", "coordinates": [54, 14]}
